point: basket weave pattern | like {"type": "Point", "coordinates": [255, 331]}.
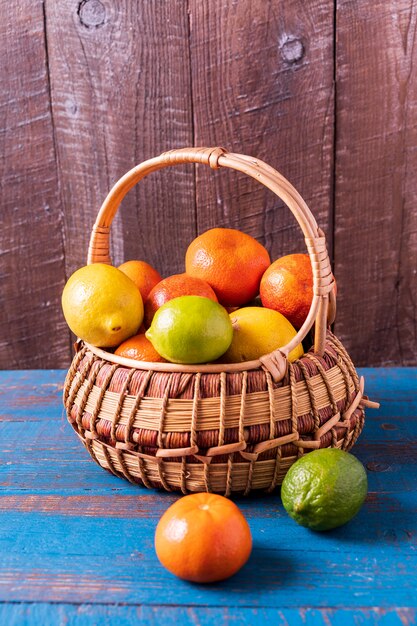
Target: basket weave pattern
{"type": "Point", "coordinates": [218, 432]}
{"type": "Point", "coordinates": [217, 427]}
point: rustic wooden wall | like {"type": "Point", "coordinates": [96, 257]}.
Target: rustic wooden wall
{"type": "Point", "coordinates": [325, 91]}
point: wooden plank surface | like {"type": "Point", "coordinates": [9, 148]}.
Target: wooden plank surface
{"type": "Point", "coordinates": [120, 83]}
{"type": "Point", "coordinates": [23, 614]}
{"type": "Point", "coordinates": [85, 537]}
{"type": "Point", "coordinates": [90, 88]}
{"type": "Point", "coordinates": [32, 276]}
{"type": "Point", "coordinates": [262, 85]}
{"type": "Point", "coordinates": [376, 191]}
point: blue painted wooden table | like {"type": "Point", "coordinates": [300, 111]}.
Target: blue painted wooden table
{"type": "Point", "coordinates": [76, 543]}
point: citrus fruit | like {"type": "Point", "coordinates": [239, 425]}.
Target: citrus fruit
{"type": "Point", "coordinates": [258, 331]}
{"type": "Point", "coordinates": [173, 287]}
{"type": "Point", "coordinates": [143, 275]}
{"type": "Point", "coordinates": [324, 489]}
{"type": "Point", "coordinates": [287, 287]}
{"type": "Point", "coordinates": [190, 329]}
{"type": "Point", "coordinates": [139, 348]}
{"type": "Point", "coordinates": [102, 305]}
{"type": "Point", "coordinates": [230, 261]}
{"type": "Point", "coordinates": [203, 538]}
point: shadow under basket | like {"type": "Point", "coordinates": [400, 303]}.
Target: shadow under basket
{"type": "Point", "coordinates": [225, 428]}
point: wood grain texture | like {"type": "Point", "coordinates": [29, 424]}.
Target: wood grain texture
{"type": "Point", "coordinates": [376, 191]}
{"type": "Point", "coordinates": [85, 539]}
{"type": "Point", "coordinates": [90, 88]}
{"type": "Point", "coordinates": [32, 330]}
{"type": "Point", "coordinates": [121, 94]}
{"type": "Point", "coordinates": [28, 614]}
{"type": "Point", "coordinates": [263, 86]}
{"type": "Point", "coordinates": [51, 560]}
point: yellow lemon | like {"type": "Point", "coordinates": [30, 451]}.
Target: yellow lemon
{"type": "Point", "coordinates": [258, 331]}
{"type": "Point", "coordinates": [102, 305]}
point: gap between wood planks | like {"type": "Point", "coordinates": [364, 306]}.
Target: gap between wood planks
{"type": "Point", "coordinates": [56, 158]}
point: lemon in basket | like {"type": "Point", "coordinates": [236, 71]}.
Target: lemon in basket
{"type": "Point", "coordinates": [324, 488]}
{"type": "Point", "coordinates": [190, 329]}
{"type": "Point", "coordinates": [258, 331]}
{"type": "Point", "coordinates": [102, 305]}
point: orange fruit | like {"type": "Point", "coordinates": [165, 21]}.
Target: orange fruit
{"type": "Point", "coordinates": [203, 538]}
{"type": "Point", "coordinates": [173, 287]}
{"type": "Point", "coordinates": [287, 287]}
{"type": "Point", "coordinates": [230, 261]}
{"type": "Point", "coordinates": [139, 348]}
{"type": "Point", "coordinates": [143, 275]}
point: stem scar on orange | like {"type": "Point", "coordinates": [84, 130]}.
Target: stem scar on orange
{"type": "Point", "coordinates": [230, 261]}
{"type": "Point", "coordinates": [203, 538]}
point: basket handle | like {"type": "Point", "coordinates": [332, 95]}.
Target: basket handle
{"type": "Point", "coordinates": [323, 280]}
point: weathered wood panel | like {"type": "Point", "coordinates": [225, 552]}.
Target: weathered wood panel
{"type": "Point", "coordinates": [108, 615]}
{"type": "Point", "coordinates": [85, 537]}
{"type": "Point", "coordinates": [376, 190]}
{"type": "Point", "coordinates": [121, 94]}
{"type": "Point", "coordinates": [90, 88]}
{"type": "Point", "coordinates": [32, 330]}
{"type": "Point", "coordinates": [263, 86]}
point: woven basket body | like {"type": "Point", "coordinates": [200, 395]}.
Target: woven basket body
{"type": "Point", "coordinates": [221, 428]}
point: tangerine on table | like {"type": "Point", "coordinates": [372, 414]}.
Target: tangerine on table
{"type": "Point", "coordinates": [287, 287]}
{"type": "Point", "coordinates": [231, 262]}
{"type": "Point", "coordinates": [203, 538]}
{"type": "Point", "coordinates": [143, 275]}
{"type": "Point", "coordinates": [139, 348]}
{"type": "Point", "coordinates": [173, 287]}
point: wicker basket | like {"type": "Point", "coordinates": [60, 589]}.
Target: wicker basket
{"type": "Point", "coordinates": [216, 427]}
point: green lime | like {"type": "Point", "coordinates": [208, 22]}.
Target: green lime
{"type": "Point", "coordinates": [191, 329]}
{"type": "Point", "coordinates": [324, 489]}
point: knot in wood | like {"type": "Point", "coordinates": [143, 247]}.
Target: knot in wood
{"type": "Point", "coordinates": [376, 466]}
{"type": "Point", "coordinates": [92, 13]}
{"type": "Point", "coordinates": [292, 50]}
